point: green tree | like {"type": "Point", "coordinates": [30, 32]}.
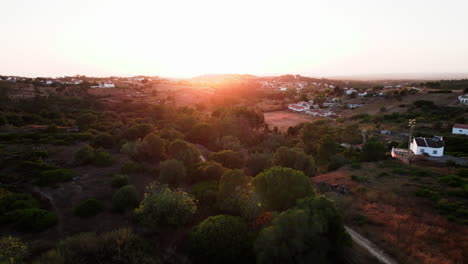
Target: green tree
{"type": "Point", "coordinates": [84, 121]}
{"type": "Point", "coordinates": [278, 188]}
{"type": "Point", "coordinates": [320, 99]}
{"type": "Point", "coordinates": [222, 239]}
{"type": "Point", "coordinates": [231, 184]}
{"type": "Point", "coordinates": [163, 206]}
{"type": "Point", "coordinates": [230, 159]}
{"type": "Point", "coordinates": [88, 208]}
{"type": "Point", "coordinates": [125, 198]}
{"type": "Point", "coordinates": [33, 219]}
{"type": "Point", "coordinates": [295, 158]}
{"type": "Point", "coordinates": [152, 148]}
{"type": "Point", "coordinates": [313, 232]}
{"type": "Point", "coordinates": [137, 132]}
{"type": "Point", "coordinates": [351, 134]}
{"type": "Point", "coordinates": [258, 162]}
{"type": "Point", "coordinates": [327, 148]}
{"type": "Point", "coordinates": [184, 151]}
{"type": "Point", "coordinates": [208, 171]}
{"type": "Point", "coordinates": [172, 172]}
{"type": "Point", "coordinates": [202, 133]}
{"type": "Point", "coordinates": [373, 150]}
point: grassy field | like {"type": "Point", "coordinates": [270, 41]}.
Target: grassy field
{"type": "Point", "coordinates": [286, 118]}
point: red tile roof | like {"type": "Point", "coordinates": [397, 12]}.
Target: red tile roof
{"type": "Point", "coordinates": [296, 107]}
{"type": "Point", "coordinates": [460, 126]}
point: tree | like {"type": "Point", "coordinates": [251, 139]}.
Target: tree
{"type": "Point", "coordinates": [222, 239]}
{"type": "Point", "coordinates": [125, 198]}
{"type": "Point", "coordinates": [278, 188]}
{"type": "Point", "coordinates": [152, 147]}
{"type": "Point", "coordinates": [172, 172]}
{"type": "Point", "coordinates": [202, 133]}
{"type": "Point", "coordinates": [373, 150]}
{"type": "Point", "coordinates": [84, 121]}
{"type": "Point", "coordinates": [230, 159]}
{"type": "Point", "coordinates": [313, 232]}
{"type": "Point", "coordinates": [320, 99]}
{"type": "Point", "coordinates": [33, 220]}
{"type": "Point", "coordinates": [295, 158]}
{"type": "Point", "coordinates": [351, 134]}
{"type": "Point", "coordinates": [184, 151]}
{"type": "Point", "coordinates": [258, 162]}
{"type": "Point", "coordinates": [338, 91]}
{"type": "Point", "coordinates": [137, 131]}
{"type": "Point", "coordinates": [12, 250]}
{"type": "Point", "coordinates": [327, 148]}
{"type": "Point", "coordinates": [208, 171]}
{"type": "Point", "coordinates": [163, 206]}
{"type": "Point", "coordinates": [231, 184]}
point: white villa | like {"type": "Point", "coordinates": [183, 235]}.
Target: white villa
{"type": "Point", "coordinates": [463, 99]}
{"type": "Point", "coordinates": [460, 129]}
{"type": "Point", "coordinates": [433, 147]}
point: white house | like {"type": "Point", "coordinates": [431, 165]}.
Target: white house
{"type": "Point", "coordinates": [297, 108]}
{"type": "Point", "coordinates": [460, 129]}
{"type": "Point", "coordinates": [350, 91]}
{"type": "Point", "coordinates": [362, 94]}
{"type": "Point", "coordinates": [463, 99]}
{"type": "Point", "coordinates": [431, 146]}
{"type": "Point", "coordinates": [104, 85]}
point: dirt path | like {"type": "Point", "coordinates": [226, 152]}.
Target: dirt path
{"type": "Point", "coordinates": [370, 247]}
{"type": "Point", "coordinates": [54, 206]}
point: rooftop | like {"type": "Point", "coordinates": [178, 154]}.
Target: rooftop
{"type": "Point", "coordinates": [430, 142]}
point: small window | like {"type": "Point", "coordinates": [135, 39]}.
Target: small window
{"type": "Point", "coordinates": [422, 151]}
{"type": "Point", "coordinates": [460, 130]}
{"type": "Point", "coordinates": [434, 152]}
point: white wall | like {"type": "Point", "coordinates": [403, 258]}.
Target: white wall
{"type": "Point", "coordinates": [460, 131]}
{"type": "Point", "coordinates": [430, 151]}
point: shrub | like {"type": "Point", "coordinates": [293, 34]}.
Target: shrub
{"type": "Point", "coordinates": [152, 148]}
{"type": "Point", "coordinates": [359, 178]}
{"type": "Point", "coordinates": [163, 206]}
{"type": "Point", "coordinates": [84, 155]}
{"type": "Point", "coordinates": [132, 167]}
{"type": "Point", "coordinates": [295, 158]}
{"type": "Point", "coordinates": [355, 165]}
{"type": "Point", "coordinates": [88, 208]}
{"type": "Point", "coordinates": [184, 151]}
{"type": "Point", "coordinates": [119, 180]}
{"type": "Point", "coordinates": [172, 172]}
{"type": "Point", "coordinates": [51, 177]}
{"type": "Point", "coordinates": [232, 183]}
{"type": "Point", "coordinates": [360, 189]}
{"type": "Point", "coordinates": [120, 246]}
{"type": "Point", "coordinates": [103, 140]}
{"type": "Point", "coordinates": [222, 239]}
{"type": "Point", "coordinates": [33, 220]}
{"type": "Point", "coordinates": [452, 180]}
{"type": "Point", "coordinates": [424, 192]}
{"type": "Point", "coordinates": [12, 250]}
{"type": "Point", "coordinates": [125, 198]}
{"type": "Point", "coordinates": [102, 158]}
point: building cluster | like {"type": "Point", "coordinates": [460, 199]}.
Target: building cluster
{"type": "Point", "coordinates": [311, 109]}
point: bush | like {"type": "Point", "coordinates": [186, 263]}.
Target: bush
{"type": "Point", "coordinates": [119, 180]}
{"type": "Point", "coordinates": [232, 183]}
{"type": "Point", "coordinates": [88, 208]}
{"type": "Point", "coordinates": [132, 167]}
{"type": "Point", "coordinates": [125, 198]}
{"type": "Point", "coordinates": [33, 220]}
{"type": "Point", "coordinates": [12, 250]}
{"type": "Point", "coordinates": [152, 148]}
{"type": "Point", "coordinates": [162, 206]}
{"type": "Point", "coordinates": [102, 158]}
{"type": "Point", "coordinates": [424, 192]}
{"type": "Point", "coordinates": [222, 239]}
{"type": "Point", "coordinates": [359, 178]}
{"type": "Point", "coordinates": [355, 165]}
{"type": "Point", "coordinates": [121, 246]}
{"type": "Point", "coordinates": [84, 155]}
{"type": "Point", "coordinates": [360, 189]}
{"type": "Point", "coordinates": [279, 188]}
{"type": "Point", "coordinates": [295, 158]}
{"type": "Point", "coordinates": [103, 140]}
{"type": "Point", "coordinates": [51, 177]}
{"type": "Point", "coordinates": [172, 172]}
{"type": "Point", "coordinates": [452, 180]}
{"type": "Point", "coordinates": [184, 151]}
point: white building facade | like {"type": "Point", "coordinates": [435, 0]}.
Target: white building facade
{"type": "Point", "coordinates": [433, 147]}
{"type": "Point", "coordinates": [460, 129]}
{"type": "Point", "coordinates": [463, 99]}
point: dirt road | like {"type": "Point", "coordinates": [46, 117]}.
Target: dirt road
{"type": "Point", "coordinates": [370, 247]}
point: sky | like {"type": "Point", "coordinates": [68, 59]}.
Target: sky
{"type": "Point", "coordinates": [174, 38]}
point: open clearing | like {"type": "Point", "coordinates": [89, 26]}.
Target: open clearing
{"type": "Point", "coordinates": [285, 118]}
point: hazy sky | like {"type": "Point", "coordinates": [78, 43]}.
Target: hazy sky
{"type": "Point", "coordinates": [186, 38]}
